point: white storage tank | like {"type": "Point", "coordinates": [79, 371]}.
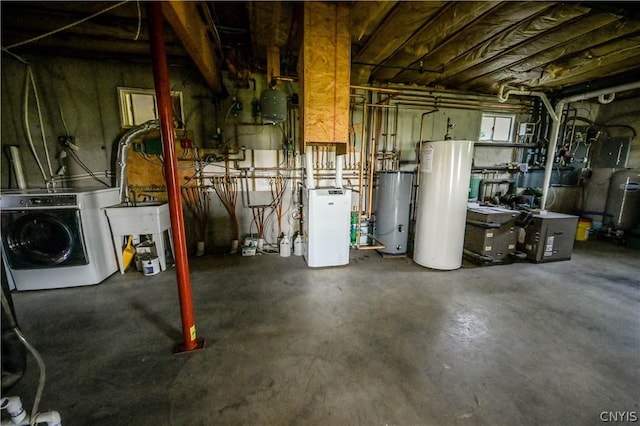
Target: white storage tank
{"type": "Point", "coordinates": [622, 210]}
{"type": "Point", "coordinates": [445, 170]}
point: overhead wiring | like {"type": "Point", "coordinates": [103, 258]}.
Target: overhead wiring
{"type": "Point", "coordinates": [27, 125]}
{"type": "Point", "coordinates": [19, 58]}
{"type": "Point", "coordinates": [77, 159]}
{"type": "Point", "coordinates": [64, 123]}
{"type": "Point", "coordinates": [66, 27]}
{"type": "Point", "coordinates": [139, 21]}
{"type": "Point", "coordinates": [39, 110]}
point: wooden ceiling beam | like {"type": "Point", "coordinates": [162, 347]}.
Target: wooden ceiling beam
{"type": "Point", "coordinates": [401, 23]}
{"type": "Point", "coordinates": [610, 56]}
{"type": "Point", "coordinates": [366, 16]}
{"type": "Point", "coordinates": [510, 58]}
{"type": "Point", "coordinates": [524, 71]}
{"type": "Point", "coordinates": [497, 19]}
{"type": "Point", "coordinates": [270, 22]}
{"type": "Point", "coordinates": [504, 41]}
{"type": "Point", "coordinates": [69, 44]}
{"type": "Point", "coordinates": [185, 20]}
{"type": "Point", "coordinates": [608, 72]}
{"type": "Point", "coordinates": [441, 27]}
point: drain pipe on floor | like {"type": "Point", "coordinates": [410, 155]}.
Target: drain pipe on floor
{"type": "Point", "coordinates": [161, 80]}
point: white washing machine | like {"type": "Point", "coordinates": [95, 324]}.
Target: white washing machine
{"type": "Point", "coordinates": [57, 239]}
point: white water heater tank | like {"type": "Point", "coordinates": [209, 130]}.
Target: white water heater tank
{"type": "Point", "coordinates": [445, 170]}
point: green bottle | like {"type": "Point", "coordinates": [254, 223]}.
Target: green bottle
{"type": "Point", "coordinates": [354, 227]}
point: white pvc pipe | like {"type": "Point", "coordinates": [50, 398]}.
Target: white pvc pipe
{"type": "Point", "coordinates": [18, 168]}
{"type": "Point", "coordinates": [503, 97]}
{"type": "Point", "coordinates": [51, 418]}
{"type": "Point", "coordinates": [14, 408]}
{"type": "Point", "coordinates": [339, 166]}
{"type": "Point", "coordinates": [597, 93]}
{"type": "Point", "coordinates": [27, 126]}
{"type": "Point", "coordinates": [551, 150]}
{"type": "Point", "coordinates": [308, 166]}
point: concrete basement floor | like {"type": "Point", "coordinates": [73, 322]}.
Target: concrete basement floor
{"type": "Point", "coordinates": [378, 342]}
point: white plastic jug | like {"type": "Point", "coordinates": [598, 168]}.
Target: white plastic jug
{"type": "Point", "coordinates": [285, 247]}
{"type": "Point", "coordinates": [297, 245]}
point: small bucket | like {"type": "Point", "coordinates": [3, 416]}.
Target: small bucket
{"type": "Point", "coordinates": [150, 265]}
{"type": "Point", "coordinates": [582, 232]}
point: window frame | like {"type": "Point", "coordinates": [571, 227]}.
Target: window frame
{"type": "Point", "coordinates": [127, 104]}
{"type": "Point", "coordinates": [494, 116]}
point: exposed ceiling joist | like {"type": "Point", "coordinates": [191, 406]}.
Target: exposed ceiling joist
{"type": "Point", "coordinates": [475, 46]}
{"type": "Point", "coordinates": [530, 64]}
{"type": "Point", "coordinates": [187, 23]}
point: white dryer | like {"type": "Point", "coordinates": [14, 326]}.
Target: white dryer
{"type": "Point", "coordinates": [57, 239]}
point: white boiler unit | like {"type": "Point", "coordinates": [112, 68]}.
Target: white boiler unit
{"type": "Point", "coordinates": [325, 226]}
{"type": "Point", "coordinates": [445, 170]}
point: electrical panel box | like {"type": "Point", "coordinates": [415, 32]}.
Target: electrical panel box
{"type": "Point", "coordinates": [491, 232]}
{"type": "Point", "coordinates": [526, 132]}
{"type": "Point", "coordinates": [548, 237]}
{"type": "Point", "coordinates": [613, 153]}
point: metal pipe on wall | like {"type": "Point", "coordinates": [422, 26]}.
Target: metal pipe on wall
{"type": "Point", "coordinates": [163, 96]}
{"type": "Point", "coordinates": [372, 161]}
{"type": "Point", "coordinates": [365, 107]}
{"type": "Point", "coordinates": [555, 129]}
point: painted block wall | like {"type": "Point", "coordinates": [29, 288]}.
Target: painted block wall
{"type": "Point", "coordinates": [79, 97]}
{"type": "Point", "coordinates": [625, 112]}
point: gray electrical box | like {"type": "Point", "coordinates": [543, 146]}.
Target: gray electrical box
{"type": "Point", "coordinates": [613, 153]}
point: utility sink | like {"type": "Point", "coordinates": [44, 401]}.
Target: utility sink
{"type": "Point", "coordinates": [137, 204]}
{"type": "Point", "coordinates": [145, 218]}
{"type": "Point", "coordinates": [148, 217]}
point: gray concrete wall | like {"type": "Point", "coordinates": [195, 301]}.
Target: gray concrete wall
{"type": "Point", "coordinates": [79, 97]}
{"type": "Point", "coordinates": [625, 112]}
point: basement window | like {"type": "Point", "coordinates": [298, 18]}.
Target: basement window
{"type": "Point", "coordinates": [497, 127]}
{"type": "Point", "coordinates": [138, 106]}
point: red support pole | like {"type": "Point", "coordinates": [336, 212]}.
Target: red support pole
{"type": "Point", "coordinates": [165, 113]}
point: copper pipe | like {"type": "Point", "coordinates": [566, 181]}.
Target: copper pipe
{"type": "Point", "coordinates": [375, 89]}
{"type": "Point", "coordinates": [372, 160]}
{"type": "Point", "coordinates": [163, 96]}
{"type": "Point", "coordinates": [365, 107]}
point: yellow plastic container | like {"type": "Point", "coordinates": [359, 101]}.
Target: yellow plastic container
{"type": "Point", "coordinates": [582, 232]}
